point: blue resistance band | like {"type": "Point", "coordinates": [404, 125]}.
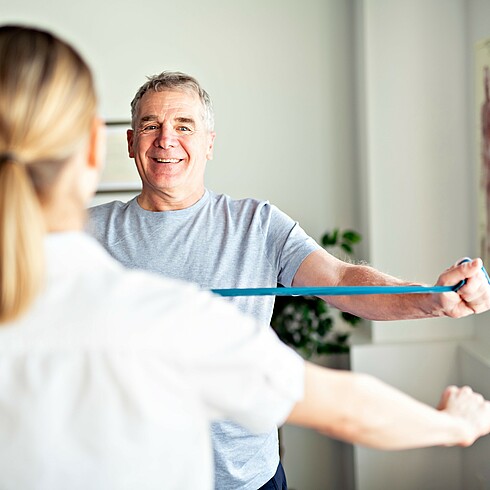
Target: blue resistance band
{"type": "Point", "coordinates": [336, 290]}
{"type": "Point", "coordinates": [343, 290]}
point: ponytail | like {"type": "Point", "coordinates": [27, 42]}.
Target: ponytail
{"type": "Point", "coordinates": [47, 106]}
{"type": "Point", "coordinates": [21, 240]}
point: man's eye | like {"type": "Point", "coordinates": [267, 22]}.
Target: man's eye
{"type": "Point", "coordinates": [150, 127]}
{"type": "Point", "coordinates": [184, 129]}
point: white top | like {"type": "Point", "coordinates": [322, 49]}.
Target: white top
{"type": "Point", "coordinates": [111, 379]}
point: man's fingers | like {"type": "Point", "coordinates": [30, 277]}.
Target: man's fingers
{"type": "Point", "coordinates": [461, 271]}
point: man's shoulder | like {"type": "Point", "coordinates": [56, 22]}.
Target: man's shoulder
{"type": "Point", "coordinates": [238, 204]}
{"type": "Point", "coordinates": [248, 210]}
{"type": "Point", "coordinates": [113, 214]}
{"type": "Point", "coordinates": [108, 219]}
{"type": "Point", "coordinates": [108, 208]}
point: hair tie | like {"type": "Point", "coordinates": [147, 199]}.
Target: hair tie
{"type": "Point", "coordinates": [7, 157]}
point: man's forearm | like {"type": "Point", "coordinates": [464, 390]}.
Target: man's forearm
{"type": "Point", "coordinates": [322, 269]}
{"type": "Point", "coordinates": [382, 307]}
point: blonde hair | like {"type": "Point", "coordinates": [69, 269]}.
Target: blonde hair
{"type": "Point", "coordinates": [47, 106]}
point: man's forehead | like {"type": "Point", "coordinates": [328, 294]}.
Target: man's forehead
{"type": "Point", "coordinates": [170, 102]}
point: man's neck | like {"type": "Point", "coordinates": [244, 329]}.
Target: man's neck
{"type": "Point", "coordinates": [163, 201]}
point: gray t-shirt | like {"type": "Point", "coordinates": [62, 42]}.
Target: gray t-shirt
{"type": "Point", "coordinates": [216, 243]}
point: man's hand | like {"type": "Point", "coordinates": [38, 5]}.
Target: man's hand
{"type": "Point", "coordinates": [473, 297]}
{"type": "Point", "coordinates": [471, 408]}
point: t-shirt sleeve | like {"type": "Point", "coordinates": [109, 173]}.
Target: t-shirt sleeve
{"type": "Point", "coordinates": [242, 371]}
{"type": "Point", "coordinates": [97, 224]}
{"type": "Point", "coordinates": [287, 244]}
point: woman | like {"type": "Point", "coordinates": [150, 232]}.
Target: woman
{"type": "Point", "coordinates": [109, 377]}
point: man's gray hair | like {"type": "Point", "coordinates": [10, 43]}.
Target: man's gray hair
{"type": "Point", "coordinates": [175, 80]}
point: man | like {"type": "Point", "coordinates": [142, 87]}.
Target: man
{"type": "Point", "coordinates": [180, 229]}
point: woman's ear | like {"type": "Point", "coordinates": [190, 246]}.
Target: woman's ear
{"type": "Point", "coordinates": [92, 161]}
{"type": "Point", "coordinates": [97, 145]}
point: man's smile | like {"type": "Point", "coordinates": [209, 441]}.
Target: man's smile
{"type": "Point", "coordinates": [168, 160]}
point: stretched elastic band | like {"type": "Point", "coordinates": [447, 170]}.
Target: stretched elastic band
{"type": "Point", "coordinates": [336, 290]}
{"type": "Point", "coordinates": [343, 290]}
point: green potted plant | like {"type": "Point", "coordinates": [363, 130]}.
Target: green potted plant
{"type": "Point", "coordinates": [307, 323]}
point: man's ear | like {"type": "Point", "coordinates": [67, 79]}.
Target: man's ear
{"type": "Point", "coordinates": [209, 153]}
{"type": "Point", "coordinates": [130, 138]}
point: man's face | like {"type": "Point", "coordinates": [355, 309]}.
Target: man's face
{"type": "Point", "coordinates": [171, 145]}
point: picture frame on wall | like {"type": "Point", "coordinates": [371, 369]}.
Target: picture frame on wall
{"type": "Point", "coordinates": [482, 91]}
{"type": "Point", "coordinates": [119, 173]}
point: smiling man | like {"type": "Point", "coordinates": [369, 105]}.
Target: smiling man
{"type": "Point", "coordinates": [178, 228]}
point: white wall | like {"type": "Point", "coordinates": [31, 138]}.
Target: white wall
{"type": "Point", "coordinates": [474, 365]}
{"type": "Point", "coordinates": [423, 370]}
{"type": "Point", "coordinates": [478, 28]}
{"type": "Point", "coordinates": [419, 196]}
{"type": "Point", "coordinates": [474, 356]}
{"type": "Point", "coordinates": [417, 149]}
{"type": "Point", "coordinates": [280, 74]}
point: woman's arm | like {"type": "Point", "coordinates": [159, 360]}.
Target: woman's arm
{"type": "Point", "coordinates": [363, 410]}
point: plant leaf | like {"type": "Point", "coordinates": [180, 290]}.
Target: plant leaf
{"type": "Point", "coordinates": [330, 239]}
{"type": "Point", "coordinates": [350, 318]}
{"type": "Point", "coordinates": [346, 247]}
{"type": "Point", "coordinates": [351, 236]}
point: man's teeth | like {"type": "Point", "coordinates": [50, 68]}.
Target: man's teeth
{"type": "Point", "coordinates": [168, 160]}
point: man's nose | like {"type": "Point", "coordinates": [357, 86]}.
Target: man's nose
{"type": "Point", "coordinates": [166, 137]}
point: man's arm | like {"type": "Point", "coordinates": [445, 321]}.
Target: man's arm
{"type": "Point", "coordinates": [322, 269]}
{"type": "Point", "coordinates": [363, 410]}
